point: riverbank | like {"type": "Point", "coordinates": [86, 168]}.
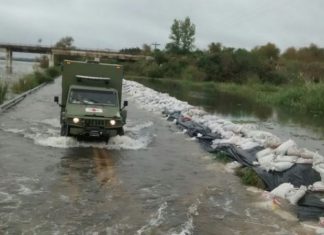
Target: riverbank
{"type": "Point", "coordinates": [3, 91]}
{"type": "Point", "coordinates": [34, 79]}
{"type": "Point", "coordinates": [298, 98]}
{"type": "Point", "coordinates": [28, 82]}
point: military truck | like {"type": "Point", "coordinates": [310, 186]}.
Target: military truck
{"type": "Point", "coordinates": [91, 100]}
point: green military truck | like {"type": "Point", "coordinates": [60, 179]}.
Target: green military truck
{"type": "Point", "coordinates": [91, 100]}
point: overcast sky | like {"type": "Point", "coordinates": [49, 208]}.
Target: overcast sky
{"type": "Point", "coordinates": [116, 24]}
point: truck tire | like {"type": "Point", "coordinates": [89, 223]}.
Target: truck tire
{"type": "Point", "coordinates": [120, 131]}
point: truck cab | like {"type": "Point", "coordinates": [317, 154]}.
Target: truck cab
{"type": "Point", "coordinates": [91, 100]}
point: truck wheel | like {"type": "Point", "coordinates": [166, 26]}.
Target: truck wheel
{"type": "Point", "coordinates": [120, 131]}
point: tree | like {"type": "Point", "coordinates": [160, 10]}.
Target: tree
{"type": "Point", "coordinates": [65, 43]}
{"type": "Point", "coordinates": [131, 50]}
{"type": "Point", "coordinates": [215, 48]}
{"type": "Point", "coordinates": [187, 35]}
{"type": "Point", "coordinates": [147, 50]}
{"type": "Point", "coordinates": [175, 36]}
{"type": "Point", "coordinates": [268, 51]}
{"type": "Point", "coordinates": [182, 36]}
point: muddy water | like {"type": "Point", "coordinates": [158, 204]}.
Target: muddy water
{"type": "Point", "coordinates": [153, 180]}
{"type": "Point", "coordinates": [306, 129]}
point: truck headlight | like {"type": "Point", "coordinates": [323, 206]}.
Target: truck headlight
{"type": "Point", "coordinates": [112, 122]}
{"type": "Point", "coordinates": [76, 120]}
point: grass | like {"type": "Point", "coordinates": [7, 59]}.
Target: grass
{"type": "Point", "coordinates": [249, 177]}
{"type": "Point", "coordinates": [246, 174]}
{"type": "Point", "coordinates": [30, 81]}
{"type": "Point", "coordinates": [3, 92]}
{"type": "Point", "coordinates": [222, 157]}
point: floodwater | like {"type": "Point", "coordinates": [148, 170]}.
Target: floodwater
{"type": "Point", "coordinates": [153, 180]}
{"type": "Point", "coordinates": [306, 129]}
{"type": "Point", "coordinates": [19, 69]}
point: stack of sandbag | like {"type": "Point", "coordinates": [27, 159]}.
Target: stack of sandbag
{"type": "Point", "coordinates": [284, 157]}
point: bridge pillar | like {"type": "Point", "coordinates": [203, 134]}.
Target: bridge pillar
{"type": "Point", "coordinates": [8, 58]}
{"type": "Point", "coordinates": [51, 60]}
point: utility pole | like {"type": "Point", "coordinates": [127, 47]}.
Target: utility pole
{"type": "Point", "coordinates": [155, 44]}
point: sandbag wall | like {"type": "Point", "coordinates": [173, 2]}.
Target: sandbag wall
{"type": "Point", "coordinates": [283, 167]}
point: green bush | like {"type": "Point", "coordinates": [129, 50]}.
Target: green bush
{"type": "Point", "coordinates": [154, 71]}
{"type": "Point", "coordinates": [52, 72]}
{"type": "Point", "coordinates": [192, 73]}
{"type": "Point", "coordinates": [32, 80]}
{"type": "Point", "coordinates": [24, 84]}
{"type": "Point", "coordinates": [3, 92]}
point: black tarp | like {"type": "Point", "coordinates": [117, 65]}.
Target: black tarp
{"type": "Point", "coordinates": [298, 174]}
{"type": "Point", "coordinates": [310, 207]}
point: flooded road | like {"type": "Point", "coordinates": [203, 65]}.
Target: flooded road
{"type": "Point", "coordinates": [153, 180]}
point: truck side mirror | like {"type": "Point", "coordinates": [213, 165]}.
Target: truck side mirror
{"type": "Point", "coordinates": [56, 99]}
{"type": "Point", "coordinates": [125, 104]}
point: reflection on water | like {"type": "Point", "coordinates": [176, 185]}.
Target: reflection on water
{"type": "Point", "coordinates": [19, 68]}
{"type": "Point", "coordinates": [240, 109]}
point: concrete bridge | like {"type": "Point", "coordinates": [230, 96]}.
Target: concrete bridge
{"type": "Point", "coordinates": [53, 51]}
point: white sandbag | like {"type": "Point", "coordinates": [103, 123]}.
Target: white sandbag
{"type": "Point", "coordinates": [305, 153]}
{"type": "Point", "coordinates": [266, 162]}
{"type": "Point", "coordinates": [232, 127]}
{"type": "Point", "coordinates": [232, 140]}
{"type": "Point", "coordinates": [293, 151]}
{"type": "Point", "coordinates": [284, 158]}
{"type": "Point", "coordinates": [318, 186]}
{"type": "Point", "coordinates": [249, 145]}
{"type": "Point", "coordinates": [271, 142]}
{"type": "Point", "coordinates": [318, 159]}
{"type": "Point", "coordinates": [265, 138]}
{"type": "Point", "coordinates": [301, 160]}
{"type": "Point", "coordinates": [256, 163]}
{"type": "Point", "coordinates": [282, 190]}
{"type": "Point", "coordinates": [318, 165]}
{"type": "Point", "coordinates": [281, 166]}
{"type": "Point", "coordinates": [264, 152]}
{"type": "Point", "coordinates": [287, 191]}
{"type": "Point", "coordinates": [226, 134]}
{"type": "Point", "coordinates": [282, 149]}
{"type": "Point", "coordinates": [294, 195]}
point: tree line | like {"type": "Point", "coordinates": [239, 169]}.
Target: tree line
{"type": "Point", "coordinates": [266, 64]}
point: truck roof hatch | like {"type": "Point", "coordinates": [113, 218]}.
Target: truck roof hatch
{"type": "Point", "coordinates": [79, 77]}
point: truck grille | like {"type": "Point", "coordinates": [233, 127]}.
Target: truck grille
{"type": "Point", "coordinates": [95, 122]}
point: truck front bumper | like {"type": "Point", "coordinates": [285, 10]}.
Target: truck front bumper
{"type": "Point", "coordinates": [93, 131]}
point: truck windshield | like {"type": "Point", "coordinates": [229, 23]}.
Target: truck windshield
{"type": "Point", "coordinates": [80, 96]}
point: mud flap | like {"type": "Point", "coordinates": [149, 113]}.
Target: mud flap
{"type": "Point", "coordinates": [64, 130]}
{"type": "Point", "coordinates": [120, 131]}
